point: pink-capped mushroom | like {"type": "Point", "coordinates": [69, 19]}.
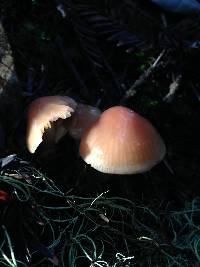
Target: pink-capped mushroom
{"type": "Point", "coordinates": [44, 111]}
{"type": "Point", "coordinates": [83, 117]}
{"type": "Point", "coordinates": [121, 141]}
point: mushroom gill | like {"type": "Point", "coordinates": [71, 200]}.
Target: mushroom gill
{"type": "Point", "coordinates": [42, 112]}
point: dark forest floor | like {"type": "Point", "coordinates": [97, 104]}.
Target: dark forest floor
{"type": "Point", "coordinates": [102, 53]}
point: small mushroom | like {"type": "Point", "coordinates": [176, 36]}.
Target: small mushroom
{"type": "Point", "coordinates": [42, 112]}
{"type": "Point", "coordinates": [121, 141]}
{"type": "Point", "coordinates": [83, 117]}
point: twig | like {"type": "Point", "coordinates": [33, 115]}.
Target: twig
{"type": "Point", "coordinates": [132, 91]}
{"type": "Point", "coordinates": [173, 88]}
{"type": "Point", "coordinates": [196, 92]}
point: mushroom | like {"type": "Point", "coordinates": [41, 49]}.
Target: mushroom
{"type": "Point", "coordinates": [83, 117]}
{"type": "Point", "coordinates": [42, 112]}
{"type": "Point", "coordinates": [121, 141]}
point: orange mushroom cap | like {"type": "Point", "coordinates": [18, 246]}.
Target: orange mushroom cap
{"type": "Point", "coordinates": [42, 112]}
{"type": "Point", "coordinates": [121, 141]}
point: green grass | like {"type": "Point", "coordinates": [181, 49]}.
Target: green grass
{"type": "Point", "coordinates": [94, 231]}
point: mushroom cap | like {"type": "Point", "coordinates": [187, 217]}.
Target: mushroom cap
{"type": "Point", "coordinates": [83, 117]}
{"type": "Point", "coordinates": [122, 142]}
{"type": "Point", "coordinates": [42, 112]}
